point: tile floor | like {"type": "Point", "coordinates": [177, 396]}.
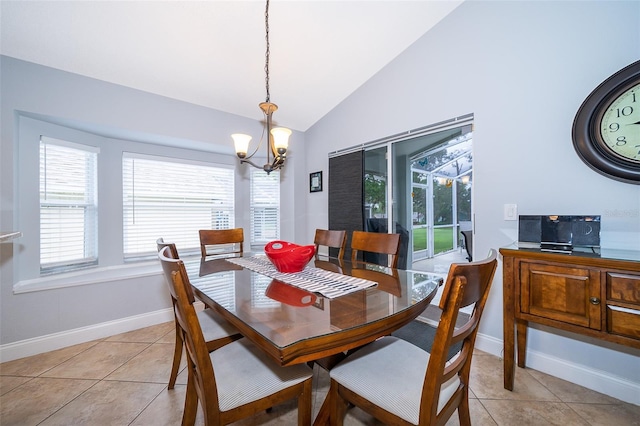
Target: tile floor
{"type": "Point", "coordinates": [121, 380]}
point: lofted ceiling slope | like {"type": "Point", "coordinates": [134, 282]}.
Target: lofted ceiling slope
{"type": "Point", "coordinates": [211, 53]}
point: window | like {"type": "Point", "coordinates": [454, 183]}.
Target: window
{"type": "Point", "coordinates": [68, 205]}
{"type": "Point", "coordinates": [173, 199]}
{"type": "Point", "coordinates": [265, 206]}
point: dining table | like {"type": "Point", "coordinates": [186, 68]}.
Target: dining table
{"type": "Point", "coordinates": [319, 314]}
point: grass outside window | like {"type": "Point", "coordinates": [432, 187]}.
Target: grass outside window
{"type": "Point", "coordinates": [443, 239]}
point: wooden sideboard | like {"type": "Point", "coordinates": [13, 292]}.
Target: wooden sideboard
{"type": "Point", "coordinates": [596, 295]}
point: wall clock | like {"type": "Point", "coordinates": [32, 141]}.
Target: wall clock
{"type": "Point", "coordinates": [606, 129]}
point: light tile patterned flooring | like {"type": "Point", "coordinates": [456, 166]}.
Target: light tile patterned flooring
{"type": "Point", "coordinates": [121, 380]}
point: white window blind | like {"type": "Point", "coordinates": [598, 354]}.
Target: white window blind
{"type": "Point", "coordinates": [221, 286]}
{"type": "Point", "coordinates": [259, 298]}
{"type": "Point", "coordinates": [173, 199]}
{"type": "Point", "coordinates": [68, 205]}
{"type": "Point", "coordinates": [265, 206]}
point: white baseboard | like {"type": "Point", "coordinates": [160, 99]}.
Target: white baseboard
{"type": "Point", "coordinates": [589, 378]}
{"type": "Point", "coordinates": [51, 342]}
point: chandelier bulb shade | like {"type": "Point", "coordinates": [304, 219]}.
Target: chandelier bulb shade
{"type": "Point", "coordinates": [280, 139]}
{"type": "Point", "coordinates": [277, 139]}
{"type": "Point", "coordinates": [241, 142]}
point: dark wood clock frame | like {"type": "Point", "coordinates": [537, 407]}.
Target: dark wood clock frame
{"type": "Point", "coordinates": [587, 140]}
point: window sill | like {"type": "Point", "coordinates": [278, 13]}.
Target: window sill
{"type": "Point", "coordinates": [88, 276]}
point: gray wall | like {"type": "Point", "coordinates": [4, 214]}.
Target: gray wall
{"type": "Point", "coordinates": [36, 97]}
{"type": "Point", "coordinates": [522, 68]}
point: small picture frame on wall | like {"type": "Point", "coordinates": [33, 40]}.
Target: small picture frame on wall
{"type": "Point", "coordinates": [315, 182]}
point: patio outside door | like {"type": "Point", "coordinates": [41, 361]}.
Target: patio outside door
{"type": "Point", "coordinates": [439, 177]}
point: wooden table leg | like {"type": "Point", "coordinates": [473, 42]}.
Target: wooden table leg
{"type": "Point", "coordinates": [521, 328]}
{"type": "Point", "coordinates": [509, 354]}
{"type": "Point", "coordinates": [508, 296]}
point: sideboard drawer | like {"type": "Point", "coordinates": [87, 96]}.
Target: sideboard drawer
{"type": "Point", "coordinates": [623, 321]}
{"type": "Point", "coordinates": [623, 287]}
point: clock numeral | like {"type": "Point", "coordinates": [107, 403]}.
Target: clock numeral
{"type": "Point", "coordinates": [625, 111]}
{"type": "Point", "coordinates": [621, 141]}
{"type": "Point", "coordinates": [614, 127]}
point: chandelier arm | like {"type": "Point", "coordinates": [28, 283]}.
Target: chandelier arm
{"type": "Point", "coordinates": [246, 160]}
{"type": "Point", "coordinates": [276, 163]}
{"type": "Point", "coordinates": [257, 147]}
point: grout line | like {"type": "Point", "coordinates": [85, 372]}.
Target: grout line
{"type": "Point", "coordinates": [317, 373]}
{"type": "Point", "coordinates": [148, 405]}
{"type": "Point", "coordinates": [72, 399]}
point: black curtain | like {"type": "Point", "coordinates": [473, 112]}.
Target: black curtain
{"type": "Point", "coordinates": [346, 207]}
{"type": "Point", "coordinates": [346, 195]}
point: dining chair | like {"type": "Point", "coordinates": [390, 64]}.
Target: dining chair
{"type": "Point", "coordinates": [402, 384]}
{"type": "Point", "coordinates": [374, 242]}
{"type": "Point", "coordinates": [237, 380]}
{"type": "Point", "coordinates": [332, 239]}
{"type": "Point", "coordinates": [217, 332]}
{"type": "Point", "coordinates": [468, 244]}
{"type": "Point", "coordinates": [221, 241]}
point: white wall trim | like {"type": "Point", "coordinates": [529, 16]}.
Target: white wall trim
{"type": "Point", "coordinates": [597, 380]}
{"type": "Point", "coordinates": [51, 342]}
{"type": "Point", "coordinates": [89, 276]}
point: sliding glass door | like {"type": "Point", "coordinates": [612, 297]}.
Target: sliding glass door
{"type": "Point", "coordinates": [432, 178]}
{"type": "Point", "coordinates": [417, 184]}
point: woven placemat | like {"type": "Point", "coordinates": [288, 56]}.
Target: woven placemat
{"type": "Point", "coordinates": [327, 283]}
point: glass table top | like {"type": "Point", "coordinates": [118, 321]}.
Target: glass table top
{"type": "Point", "coordinates": [286, 315]}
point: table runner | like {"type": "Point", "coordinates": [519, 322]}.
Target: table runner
{"type": "Point", "coordinates": [327, 283]}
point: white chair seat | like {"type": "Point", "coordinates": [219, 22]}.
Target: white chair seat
{"type": "Point", "coordinates": [390, 373]}
{"type": "Point", "coordinates": [213, 326]}
{"type": "Point", "coordinates": [244, 373]}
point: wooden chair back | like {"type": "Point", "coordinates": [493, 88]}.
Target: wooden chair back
{"type": "Point", "coordinates": [202, 386]}
{"type": "Point", "coordinates": [332, 239]}
{"type": "Point", "coordinates": [198, 362]}
{"type": "Point", "coordinates": [467, 286]}
{"type": "Point", "coordinates": [160, 243]}
{"type": "Point", "coordinates": [374, 242]}
{"type": "Point", "coordinates": [226, 241]}
{"type": "Point", "coordinates": [216, 335]}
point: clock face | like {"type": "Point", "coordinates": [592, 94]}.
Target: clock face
{"type": "Point", "coordinates": [606, 129]}
{"type": "Point", "coordinates": [620, 125]}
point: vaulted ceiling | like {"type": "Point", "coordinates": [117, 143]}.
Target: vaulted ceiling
{"type": "Point", "coordinates": [212, 53]}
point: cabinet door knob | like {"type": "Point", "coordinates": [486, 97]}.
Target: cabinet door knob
{"type": "Point", "coordinates": [594, 301]}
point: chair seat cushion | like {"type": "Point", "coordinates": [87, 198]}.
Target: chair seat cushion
{"type": "Point", "coordinates": [244, 373]}
{"type": "Point", "coordinates": [390, 373]}
{"type": "Point", "coordinates": [214, 326]}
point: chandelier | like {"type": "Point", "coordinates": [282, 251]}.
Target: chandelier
{"type": "Point", "coordinates": [277, 139]}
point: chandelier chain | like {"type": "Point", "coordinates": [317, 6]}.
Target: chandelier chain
{"type": "Point", "coordinates": [266, 62]}
{"type": "Point", "coordinates": [277, 139]}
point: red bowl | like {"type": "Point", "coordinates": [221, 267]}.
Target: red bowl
{"type": "Point", "coordinates": [289, 295]}
{"type": "Point", "coordinates": [289, 257]}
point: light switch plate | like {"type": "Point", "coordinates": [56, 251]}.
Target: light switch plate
{"type": "Point", "coordinates": [510, 212]}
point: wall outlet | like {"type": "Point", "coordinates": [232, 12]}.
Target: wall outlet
{"type": "Point", "coordinates": [510, 212]}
